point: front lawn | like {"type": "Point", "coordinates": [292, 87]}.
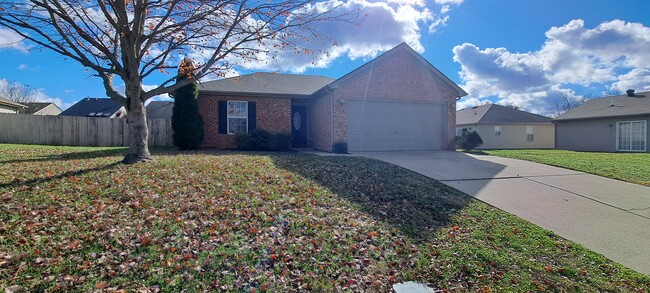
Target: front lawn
{"type": "Point", "coordinates": [630, 167]}
{"type": "Point", "coordinates": [73, 219]}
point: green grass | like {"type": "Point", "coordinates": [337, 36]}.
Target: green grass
{"type": "Point", "coordinates": [630, 167]}
{"type": "Point", "coordinates": [73, 219]}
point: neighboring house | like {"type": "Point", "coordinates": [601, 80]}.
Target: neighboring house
{"type": "Point", "coordinates": [502, 127]}
{"type": "Point", "coordinates": [398, 101]}
{"type": "Point", "coordinates": [41, 109]}
{"type": "Point", "coordinates": [160, 110]}
{"type": "Point", "coordinates": [7, 106]}
{"type": "Point", "coordinates": [610, 124]}
{"type": "Point", "coordinates": [95, 107]}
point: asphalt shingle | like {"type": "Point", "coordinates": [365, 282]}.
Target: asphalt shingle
{"type": "Point", "coordinates": [497, 114]}
{"type": "Point", "coordinates": [614, 106]}
{"type": "Point", "coordinates": [267, 84]}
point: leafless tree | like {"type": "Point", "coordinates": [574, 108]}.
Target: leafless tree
{"type": "Point", "coordinates": [17, 92]}
{"type": "Point", "coordinates": [565, 103]}
{"type": "Point", "coordinates": [134, 39]}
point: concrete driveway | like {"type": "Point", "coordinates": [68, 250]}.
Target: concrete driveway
{"type": "Point", "coordinates": [607, 216]}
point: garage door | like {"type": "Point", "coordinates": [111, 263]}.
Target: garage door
{"type": "Point", "coordinates": [392, 126]}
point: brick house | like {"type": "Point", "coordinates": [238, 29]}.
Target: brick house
{"type": "Point", "coordinates": [397, 101]}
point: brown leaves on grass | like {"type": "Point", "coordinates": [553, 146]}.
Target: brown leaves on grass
{"type": "Point", "coordinates": [232, 222]}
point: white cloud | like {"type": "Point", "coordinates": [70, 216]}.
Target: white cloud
{"type": "Point", "coordinates": [382, 26]}
{"type": "Point", "coordinates": [572, 55]}
{"type": "Point", "coordinates": [457, 2]}
{"type": "Point", "coordinates": [41, 96]}
{"type": "Point", "coordinates": [637, 79]}
{"type": "Point", "coordinates": [68, 91]}
{"type": "Point", "coordinates": [10, 39]}
{"type": "Point", "coordinates": [22, 66]}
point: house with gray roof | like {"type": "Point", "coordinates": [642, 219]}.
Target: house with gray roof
{"type": "Point", "coordinates": [96, 107]}
{"type": "Point", "coordinates": [503, 127]}
{"type": "Point", "coordinates": [160, 110]}
{"type": "Point", "coordinates": [41, 108]}
{"type": "Point", "coordinates": [397, 101]}
{"type": "Point", "coordinates": [609, 124]}
{"type": "Point", "coordinates": [7, 106]}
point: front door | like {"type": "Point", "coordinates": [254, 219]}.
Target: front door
{"type": "Point", "coordinates": [299, 126]}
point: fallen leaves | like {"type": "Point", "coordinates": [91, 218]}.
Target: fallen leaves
{"type": "Point", "coordinates": [234, 222]}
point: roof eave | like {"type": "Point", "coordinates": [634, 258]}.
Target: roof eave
{"type": "Point", "coordinates": [249, 94]}
{"type": "Point", "coordinates": [602, 117]}
{"type": "Point", "coordinates": [10, 103]}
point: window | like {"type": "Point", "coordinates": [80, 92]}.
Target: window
{"type": "Point", "coordinates": [529, 133]}
{"type": "Point", "coordinates": [631, 136]}
{"type": "Point", "coordinates": [497, 130]}
{"type": "Point", "coordinates": [237, 117]}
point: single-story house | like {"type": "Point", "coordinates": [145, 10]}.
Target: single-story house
{"type": "Point", "coordinates": [41, 108]}
{"type": "Point", "coordinates": [96, 107]}
{"type": "Point", "coordinates": [397, 101]}
{"type": "Point", "coordinates": [503, 127]}
{"type": "Point", "coordinates": [160, 110]}
{"type": "Point", "coordinates": [7, 106]}
{"type": "Point", "coordinates": [609, 124]}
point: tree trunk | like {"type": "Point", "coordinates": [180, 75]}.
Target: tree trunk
{"type": "Point", "coordinates": [136, 118]}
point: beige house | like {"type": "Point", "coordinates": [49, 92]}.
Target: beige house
{"type": "Point", "coordinates": [39, 108]}
{"type": "Point", "coordinates": [7, 106]}
{"type": "Point", "coordinates": [506, 128]}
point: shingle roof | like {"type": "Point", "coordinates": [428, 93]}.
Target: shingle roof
{"type": "Point", "coordinates": [497, 114]}
{"type": "Point", "coordinates": [95, 106]}
{"type": "Point", "coordinates": [613, 106]}
{"type": "Point", "coordinates": [35, 107]}
{"type": "Point", "coordinates": [159, 109]}
{"type": "Point", "coordinates": [267, 84]}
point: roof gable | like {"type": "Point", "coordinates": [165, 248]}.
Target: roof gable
{"type": "Point", "coordinates": [160, 109]}
{"type": "Point", "coordinates": [497, 114]}
{"type": "Point", "coordinates": [38, 106]}
{"type": "Point", "coordinates": [93, 107]}
{"type": "Point", "coordinates": [403, 47]}
{"type": "Point", "coordinates": [614, 106]}
{"type": "Point", "coordinates": [267, 84]}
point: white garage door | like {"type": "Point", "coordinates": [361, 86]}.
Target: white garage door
{"type": "Point", "coordinates": [392, 126]}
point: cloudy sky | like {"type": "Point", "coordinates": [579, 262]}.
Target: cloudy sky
{"type": "Point", "coordinates": [524, 53]}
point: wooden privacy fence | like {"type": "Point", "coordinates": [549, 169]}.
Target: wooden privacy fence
{"type": "Point", "coordinates": [77, 131]}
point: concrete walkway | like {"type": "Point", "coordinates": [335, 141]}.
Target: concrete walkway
{"type": "Point", "coordinates": [607, 216]}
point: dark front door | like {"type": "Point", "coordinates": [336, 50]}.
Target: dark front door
{"type": "Point", "coordinates": [299, 126]}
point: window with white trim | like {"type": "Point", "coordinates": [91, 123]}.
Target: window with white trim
{"type": "Point", "coordinates": [631, 136]}
{"type": "Point", "coordinates": [530, 136]}
{"type": "Point", "coordinates": [497, 130]}
{"type": "Point", "coordinates": [237, 117]}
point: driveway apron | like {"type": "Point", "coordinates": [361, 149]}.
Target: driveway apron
{"type": "Point", "coordinates": [608, 216]}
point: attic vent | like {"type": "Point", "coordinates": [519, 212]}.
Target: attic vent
{"type": "Point", "coordinates": [630, 93]}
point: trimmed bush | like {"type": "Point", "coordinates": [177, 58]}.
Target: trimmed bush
{"type": "Point", "coordinates": [340, 147]}
{"type": "Point", "coordinates": [468, 141]}
{"type": "Point", "coordinates": [187, 123]}
{"type": "Point", "coordinates": [262, 140]}
{"type": "Point", "coordinates": [282, 142]}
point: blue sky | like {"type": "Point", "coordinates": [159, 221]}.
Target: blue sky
{"type": "Point", "coordinates": [524, 53]}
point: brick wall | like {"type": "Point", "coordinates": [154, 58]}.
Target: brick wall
{"type": "Point", "coordinates": [399, 76]}
{"type": "Point", "coordinates": [320, 123]}
{"type": "Point", "coordinates": [273, 114]}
